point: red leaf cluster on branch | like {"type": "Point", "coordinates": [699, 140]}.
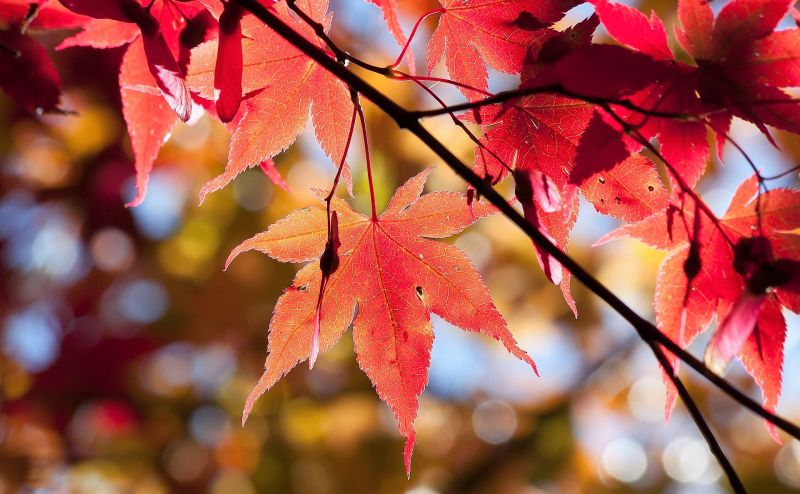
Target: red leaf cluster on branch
{"type": "Point", "coordinates": [588, 119]}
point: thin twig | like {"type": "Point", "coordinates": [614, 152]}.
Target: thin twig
{"type": "Point", "coordinates": [697, 417]}
{"type": "Point", "coordinates": [458, 123]}
{"type": "Point", "coordinates": [341, 55]}
{"type": "Point", "coordinates": [782, 174]}
{"type": "Point", "coordinates": [513, 94]}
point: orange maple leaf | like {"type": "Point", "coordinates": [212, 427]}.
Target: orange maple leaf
{"type": "Point", "coordinates": [390, 277]}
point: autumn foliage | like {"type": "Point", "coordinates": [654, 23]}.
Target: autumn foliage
{"type": "Point", "coordinates": [630, 126]}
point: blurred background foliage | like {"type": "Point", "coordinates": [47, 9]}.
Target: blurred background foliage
{"type": "Point", "coordinates": [126, 352]}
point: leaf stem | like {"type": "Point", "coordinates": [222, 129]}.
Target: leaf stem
{"type": "Point", "coordinates": [458, 123]}
{"type": "Point", "coordinates": [30, 16]}
{"type": "Point", "coordinates": [363, 120]}
{"type": "Point", "coordinates": [406, 47]}
{"type": "Point", "coordinates": [402, 76]}
{"type": "Point", "coordinates": [10, 51]}
{"type": "Point", "coordinates": [323, 282]}
{"type": "Point", "coordinates": [329, 197]}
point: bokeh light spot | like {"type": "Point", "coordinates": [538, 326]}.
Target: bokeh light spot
{"type": "Point", "coordinates": [112, 250]}
{"type": "Point", "coordinates": [624, 460]}
{"type": "Point", "coordinates": [252, 191]}
{"type": "Point", "coordinates": [232, 482]}
{"type": "Point", "coordinates": [689, 461]}
{"type": "Point", "coordinates": [143, 301]}
{"type": "Point", "coordinates": [646, 399]}
{"type": "Point", "coordinates": [787, 464]}
{"type": "Point", "coordinates": [162, 210]}
{"type": "Point", "coordinates": [209, 425]}
{"type": "Point", "coordinates": [185, 460]}
{"type": "Point", "coordinates": [32, 338]}
{"type": "Point", "coordinates": [494, 421]}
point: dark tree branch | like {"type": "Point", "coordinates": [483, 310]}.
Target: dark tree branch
{"type": "Point", "coordinates": [406, 120]}
{"type": "Point", "coordinates": [782, 174]}
{"type": "Point", "coordinates": [513, 94]}
{"type": "Point", "coordinates": [646, 330]}
{"type": "Point", "coordinates": [341, 55]}
{"type": "Point", "coordinates": [697, 417]}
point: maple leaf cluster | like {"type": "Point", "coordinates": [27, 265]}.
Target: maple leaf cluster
{"type": "Point", "coordinates": [611, 103]}
{"type": "Point", "coordinates": [587, 119]}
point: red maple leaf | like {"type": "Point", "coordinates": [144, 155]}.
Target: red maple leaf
{"type": "Point", "coordinates": [683, 142]}
{"type": "Point", "coordinates": [228, 68]}
{"type": "Point", "coordinates": [280, 83]}
{"type": "Point", "coordinates": [741, 269]}
{"type": "Point", "coordinates": [150, 119]}
{"type": "Point", "coordinates": [644, 97]}
{"type": "Point", "coordinates": [228, 73]}
{"type": "Point", "coordinates": [497, 33]}
{"type": "Point", "coordinates": [158, 23]}
{"type": "Point", "coordinates": [544, 134]}
{"type": "Point", "coordinates": [160, 37]}
{"type": "Point", "coordinates": [742, 62]}
{"type": "Point", "coordinates": [27, 74]}
{"type": "Point", "coordinates": [230, 52]}
{"type": "Point", "coordinates": [741, 66]}
{"type": "Point", "coordinates": [391, 270]}
{"type": "Point", "coordinates": [40, 14]}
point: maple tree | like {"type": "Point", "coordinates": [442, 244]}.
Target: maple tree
{"type": "Point", "coordinates": [625, 125]}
